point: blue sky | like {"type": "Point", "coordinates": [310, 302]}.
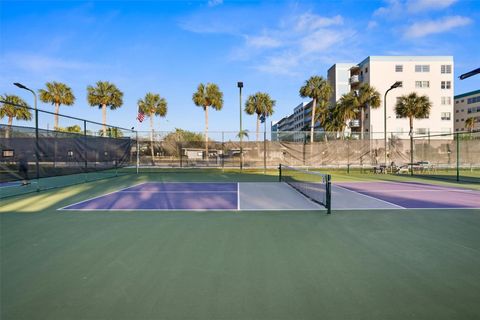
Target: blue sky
{"type": "Point", "coordinates": [169, 47]}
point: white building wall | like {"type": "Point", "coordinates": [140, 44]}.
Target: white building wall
{"type": "Point", "coordinates": [381, 74]}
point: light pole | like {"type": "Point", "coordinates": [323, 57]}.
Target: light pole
{"type": "Point", "coordinates": [21, 86]}
{"type": "Point", "coordinates": [240, 86]}
{"type": "Point", "coordinates": [395, 85]}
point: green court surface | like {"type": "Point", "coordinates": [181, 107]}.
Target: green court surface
{"type": "Point", "coordinates": [382, 264]}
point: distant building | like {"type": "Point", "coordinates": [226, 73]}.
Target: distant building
{"type": "Point", "coordinates": [467, 105]}
{"type": "Point", "coordinates": [338, 77]}
{"type": "Point", "coordinates": [426, 75]}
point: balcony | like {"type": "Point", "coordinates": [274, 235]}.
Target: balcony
{"type": "Point", "coordinates": [354, 123]}
{"type": "Point", "coordinates": [356, 78]}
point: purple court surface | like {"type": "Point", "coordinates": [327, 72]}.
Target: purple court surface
{"type": "Point", "coordinates": [166, 196]}
{"type": "Point", "coordinates": [412, 195]}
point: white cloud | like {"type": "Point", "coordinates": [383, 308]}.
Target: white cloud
{"type": "Point", "coordinates": [425, 28]}
{"type": "Point", "coordinates": [213, 3]}
{"type": "Point", "coordinates": [393, 8]}
{"type": "Point", "coordinates": [422, 5]}
{"type": "Point", "coordinates": [309, 21]}
{"type": "Point", "coordinates": [372, 24]}
{"type": "Point", "coordinates": [263, 42]}
{"type": "Point", "coordinates": [284, 64]}
{"type": "Point", "coordinates": [322, 40]}
{"type": "Point", "coordinates": [397, 8]}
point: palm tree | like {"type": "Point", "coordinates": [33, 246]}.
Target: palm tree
{"type": "Point", "coordinates": [367, 96]}
{"type": "Point", "coordinates": [208, 95]}
{"type": "Point", "coordinates": [470, 124]}
{"type": "Point", "coordinates": [13, 107]}
{"type": "Point", "coordinates": [152, 105]}
{"type": "Point", "coordinates": [261, 104]}
{"type": "Point", "coordinates": [412, 106]}
{"type": "Point", "coordinates": [346, 109]}
{"type": "Point", "coordinates": [57, 93]}
{"type": "Point", "coordinates": [104, 95]}
{"type": "Point", "coordinates": [318, 89]}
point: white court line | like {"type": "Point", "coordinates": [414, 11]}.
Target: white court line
{"type": "Point", "coordinates": [147, 191]}
{"type": "Point", "coordinates": [412, 190]}
{"type": "Point", "coordinates": [106, 194]}
{"type": "Point", "coordinates": [367, 196]}
{"type": "Point", "coordinates": [196, 210]}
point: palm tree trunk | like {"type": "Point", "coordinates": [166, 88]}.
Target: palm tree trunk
{"type": "Point", "coordinates": [7, 132]}
{"type": "Point", "coordinates": [258, 127]}
{"type": "Point", "coordinates": [206, 132]}
{"type": "Point", "coordinates": [57, 109]}
{"type": "Point", "coordinates": [104, 119]}
{"type": "Point", "coordinates": [312, 122]}
{"type": "Point", "coordinates": [151, 139]}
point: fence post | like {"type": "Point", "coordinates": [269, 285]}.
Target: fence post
{"type": "Point", "coordinates": [138, 151]}
{"type": "Point", "coordinates": [265, 150]}
{"type": "Point", "coordinates": [85, 146]}
{"type": "Point", "coordinates": [223, 151]}
{"type": "Point", "coordinates": [458, 156]}
{"type": "Point", "coordinates": [37, 148]}
{"type": "Point", "coordinates": [411, 153]}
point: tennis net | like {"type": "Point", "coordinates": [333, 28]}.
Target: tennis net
{"type": "Point", "coordinates": [314, 185]}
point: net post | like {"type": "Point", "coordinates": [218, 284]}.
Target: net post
{"type": "Point", "coordinates": [329, 193]}
{"type": "Point", "coordinates": [280, 172]}
{"type": "Point", "coordinates": [223, 151]}
{"type": "Point", "coordinates": [458, 156]}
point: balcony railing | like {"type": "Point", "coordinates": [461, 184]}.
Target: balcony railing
{"type": "Point", "coordinates": [356, 79]}
{"type": "Point", "coordinates": [354, 124]}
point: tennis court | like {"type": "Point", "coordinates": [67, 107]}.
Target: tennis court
{"type": "Point", "coordinates": [231, 244]}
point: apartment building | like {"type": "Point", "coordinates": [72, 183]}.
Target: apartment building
{"type": "Point", "coordinates": [338, 77]}
{"type": "Point", "coordinates": [426, 75]}
{"type": "Point", "coordinates": [467, 105]}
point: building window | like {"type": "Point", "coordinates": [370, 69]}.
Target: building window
{"type": "Point", "coordinates": [446, 100]}
{"type": "Point", "coordinates": [399, 68]}
{"type": "Point", "coordinates": [473, 100]}
{"type": "Point", "coordinates": [445, 115]}
{"type": "Point", "coordinates": [446, 85]}
{"type": "Point", "coordinates": [422, 68]}
{"type": "Point", "coordinates": [446, 68]}
{"type": "Point", "coordinates": [422, 84]}
{"type": "Point", "coordinates": [456, 120]}
{"type": "Point", "coordinates": [366, 70]}
{"type": "Point", "coordinates": [456, 111]}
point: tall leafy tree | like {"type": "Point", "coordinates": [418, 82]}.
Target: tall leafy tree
{"type": "Point", "coordinates": [13, 107]}
{"type": "Point", "coordinates": [57, 94]}
{"type": "Point", "coordinates": [470, 123]}
{"type": "Point", "coordinates": [206, 96]}
{"type": "Point", "coordinates": [413, 106]}
{"type": "Point", "coordinates": [367, 96]}
{"type": "Point", "coordinates": [103, 95]}
{"type": "Point", "coordinates": [319, 90]}
{"type": "Point", "coordinates": [260, 104]}
{"type": "Point", "coordinates": [153, 105]}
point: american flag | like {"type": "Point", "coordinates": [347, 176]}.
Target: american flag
{"type": "Point", "coordinates": [141, 115]}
